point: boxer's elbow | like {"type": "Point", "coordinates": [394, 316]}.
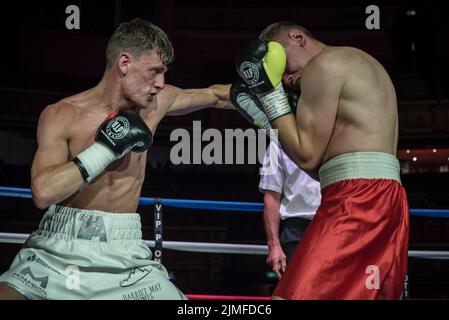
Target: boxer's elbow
{"type": "Point", "coordinates": [41, 200]}
{"type": "Point", "coordinates": [309, 156]}
{"type": "Point", "coordinates": [307, 163]}
{"type": "Point", "coordinates": [41, 192]}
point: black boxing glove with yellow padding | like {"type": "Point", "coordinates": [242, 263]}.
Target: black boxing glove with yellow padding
{"type": "Point", "coordinates": [261, 65]}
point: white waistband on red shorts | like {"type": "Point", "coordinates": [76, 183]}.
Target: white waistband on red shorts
{"type": "Point", "coordinates": [360, 165]}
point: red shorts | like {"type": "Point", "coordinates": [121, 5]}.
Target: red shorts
{"type": "Point", "coordinates": [356, 246]}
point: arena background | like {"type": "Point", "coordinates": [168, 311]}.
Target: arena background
{"type": "Point", "coordinates": [42, 62]}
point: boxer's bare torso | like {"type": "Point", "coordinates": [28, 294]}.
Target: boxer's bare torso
{"type": "Point", "coordinates": [72, 124]}
{"type": "Point", "coordinates": [348, 104]}
{"type": "Point", "coordinates": [118, 188]}
{"type": "Point", "coordinates": [367, 117]}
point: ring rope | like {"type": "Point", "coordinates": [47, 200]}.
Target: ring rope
{"type": "Point", "coordinates": [207, 247]}
{"type": "Point", "coordinates": [213, 205]}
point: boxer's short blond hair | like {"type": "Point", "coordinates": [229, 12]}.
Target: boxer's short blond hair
{"type": "Point", "coordinates": [139, 37]}
{"type": "Point", "coordinates": [274, 30]}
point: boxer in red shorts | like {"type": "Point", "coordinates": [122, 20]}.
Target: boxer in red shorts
{"type": "Point", "coordinates": [356, 246]}
{"type": "Point", "coordinates": [345, 132]}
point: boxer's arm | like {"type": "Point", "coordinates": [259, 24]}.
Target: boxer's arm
{"type": "Point", "coordinates": [183, 101]}
{"type": "Point", "coordinates": [305, 137]}
{"type": "Point", "coordinates": [53, 178]}
{"type": "Point", "coordinates": [276, 257]}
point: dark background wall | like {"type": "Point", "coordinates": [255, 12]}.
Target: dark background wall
{"type": "Point", "coordinates": [42, 62]}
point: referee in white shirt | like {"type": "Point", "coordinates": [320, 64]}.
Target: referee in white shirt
{"type": "Point", "coordinates": [290, 195]}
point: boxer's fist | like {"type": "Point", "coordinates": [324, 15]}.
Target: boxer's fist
{"type": "Point", "coordinates": [261, 65]}
{"type": "Point", "coordinates": [120, 133]}
{"type": "Point", "coordinates": [248, 105]}
{"type": "Point", "coordinates": [124, 131]}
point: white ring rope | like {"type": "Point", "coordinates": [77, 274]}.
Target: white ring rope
{"type": "Point", "coordinates": [222, 247]}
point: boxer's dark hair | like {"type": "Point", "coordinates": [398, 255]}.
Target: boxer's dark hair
{"type": "Point", "coordinates": [275, 29]}
{"type": "Point", "coordinates": [138, 37]}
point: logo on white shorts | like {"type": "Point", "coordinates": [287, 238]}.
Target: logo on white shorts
{"type": "Point", "coordinates": [92, 228]}
{"type": "Point", "coordinates": [118, 128]}
{"type": "Point", "coordinates": [43, 281]}
{"type": "Point", "coordinates": [134, 276]}
{"type": "Point", "coordinates": [29, 279]}
{"type": "Point", "coordinates": [250, 72]}
{"type": "Point", "coordinates": [38, 260]}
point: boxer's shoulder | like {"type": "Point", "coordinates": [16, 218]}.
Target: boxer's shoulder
{"type": "Point", "coordinates": [327, 65]}
{"type": "Point", "coordinates": [53, 124]}
{"type": "Point", "coordinates": [60, 111]}
{"type": "Point", "coordinates": [161, 103]}
{"type": "Point", "coordinates": [335, 57]}
{"type": "Point", "coordinates": [167, 97]}
{"type": "Point", "coordinates": [67, 117]}
{"type": "Point", "coordinates": [154, 114]}
{"type": "Point", "coordinates": [348, 57]}
{"type": "Point", "coordinates": [79, 107]}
